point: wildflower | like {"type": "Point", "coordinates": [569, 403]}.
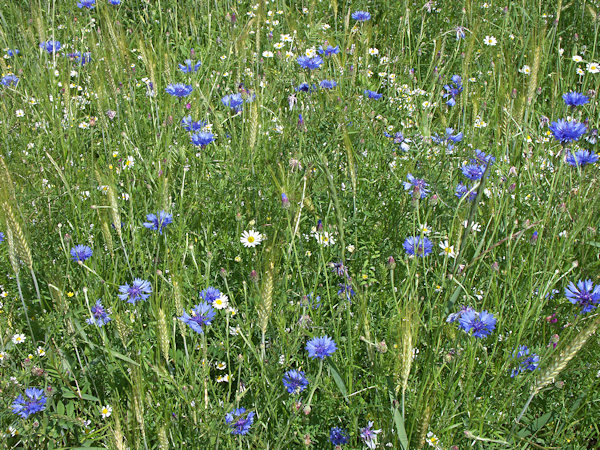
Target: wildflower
{"type": "Point", "coordinates": [482, 323]}
{"type": "Point", "coordinates": [221, 366]}
{"type": "Point", "coordinates": [9, 80]}
{"type": "Point", "coordinates": [574, 99]}
{"type": "Point", "coordinates": [581, 158]}
{"type": "Point", "coordinates": [338, 436]}
{"type": "Point", "coordinates": [369, 436]}
{"type": "Point", "coordinates": [526, 362]}
{"type": "Point", "coordinates": [34, 401]}
{"type": "Point", "coordinates": [18, 339]}
{"type": "Point", "coordinates": [89, 4]}
{"type": "Point", "coordinates": [418, 186]}
{"type": "Point", "coordinates": [483, 158]}
{"type": "Point", "coordinates": [202, 315]}
{"type": "Point", "coordinates": [139, 290]}
{"type": "Point", "coordinates": [41, 352]}
{"type": "Point", "coordinates": [305, 87]}
{"type": "Point", "coordinates": [239, 421]}
{"type": "Point", "coordinates": [99, 315]}
{"type": "Point", "coordinates": [328, 84]}
{"type": "Point", "coordinates": [285, 201]}
{"type": "Point", "coordinates": [251, 238]}
{"type": "Point", "coordinates": [202, 139]}
{"type": "Point", "coordinates": [189, 66]}
{"type": "Point", "coordinates": [566, 131]}
{"type": "Point", "coordinates": [525, 70]}
{"type": "Point", "coordinates": [433, 440]}
{"type": "Point", "coordinates": [449, 138]}
{"type": "Point", "coordinates": [81, 253]}
{"type": "Point", "coordinates": [584, 294]}
{"type": "Point", "coordinates": [490, 40]}
{"type": "Point", "coordinates": [328, 51]}
{"type": "Point", "coordinates": [473, 171]}
{"type": "Point", "coordinates": [361, 16]}
{"type": "Point", "coordinates": [51, 46]}
{"type": "Point", "coordinates": [373, 52]}
{"type": "Point", "coordinates": [372, 94]}
{"type": "Point", "coordinates": [320, 347]}
{"type": "Point", "coordinates": [462, 189]}
{"type": "Point", "coordinates": [114, 2]}
{"type": "Point", "coordinates": [106, 411]}
{"type": "Point", "coordinates": [179, 90]}
{"type": "Point", "coordinates": [158, 222]}
{"type": "Point", "coordinates": [453, 90]}
{"type": "Point", "coordinates": [234, 101]}
{"type": "Point", "coordinates": [221, 302]}
{"type": "Point", "coordinates": [593, 67]}
{"type": "Point", "coordinates": [19, 113]}
{"type": "Point", "coordinates": [346, 289]}
{"type": "Point", "coordinates": [310, 63]}
{"type": "Point", "coordinates": [325, 239]}
{"type": "Point", "coordinates": [210, 294]}
{"type": "Point", "coordinates": [447, 249]}
{"type": "Point", "coordinates": [189, 125]}
{"type": "Point", "coordinates": [415, 245]}
{"type": "Point", "coordinates": [295, 381]}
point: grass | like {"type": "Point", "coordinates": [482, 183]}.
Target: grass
{"type": "Point", "coordinates": [88, 151]}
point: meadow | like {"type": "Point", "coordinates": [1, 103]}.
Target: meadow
{"type": "Point", "coordinates": [299, 224]}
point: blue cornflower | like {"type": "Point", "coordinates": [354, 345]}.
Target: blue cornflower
{"type": "Point", "coordinates": [473, 171]}
{"type": "Point", "coordinates": [482, 323]}
{"type": "Point", "coordinates": [526, 362]}
{"type": "Point", "coordinates": [314, 303]}
{"type": "Point", "coordinates": [99, 315]}
{"type": "Point", "coordinates": [179, 90]}
{"type": "Point", "coordinates": [51, 46]}
{"type": "Point", "coordinates": [158, 222]}
{"type": "Point", "coordinates": [399, 139]}
{"type": "Point", "coordinates": [239, 421]}
{"type": "Point", "coordinates": [210, 294]}
{"type": "Point", "coordinates": [285, 201]}
{"type": "Point", "coordinates": [12, 52]}
{"type": "Point", "coordinates": [338, 436]}
{"type": "Point", "coordinates": [115, 2]}
{"type": "Point", "coordinates": [189, 66]}
{"type": "Point", "coordinates": [417, 246]}
{"type": "Point", "coordinates": [202, 138]}
{"type": "Point", "coordinates": [372, 94]}
{"type": "Point", "coordinates": [189, 125]}
{"type": "Point", "coordinates": [585, 295]}
{"type": "Point", "coordinates": [320, 347]}
{"type": "Point", "coordinates": [483, 158]}
{"type": "Point", "coordinates": [328, 51]}
{"type": "Point", "coordinates": [462, 189]}
{"type": "Point", "coordinates": [566, 131]}
{"type": "Point", "coordinates": [234, 101]}
{"type": "Point", "coordinates": [574, 99]}
{"type": "Point", "coordinates": [139, 290]}
{"type": "Point", "coordinates": [328, 84]}
{"type": "Point", "coordinates": [202, 315]}
{"type": "Point", "coordinates": [460, 33]}
{"type": "Point", "coordinates": [80, 58]}
{"type": "Point", "coordinates": [35, 401]}
{"type": "Point", "coordinates": [81, 253]}
{"type": "Point", "coordinates": [449, 138]}
{"type": "Point", "coordinates": [89, 4]}
{"type": "Point", "coordinates": [9, 80]}
{"type": "Point", "coordinates": [455, 316]}
{"type": "Point", "coordinates": [453, 90]}
{"type": "Point", "coordinates": [346, 289]}
{"type": "Point", "coordinates": [361, 16]}
{"type": "Point", "coordinates": [369, 436]}
{"type": "Point", "coordinates": [295, 381]}
{"type": "Point", "coordinates": [310, 63]}
{"type": "Point", "coordinates": [418, 186]}
{"type": "Point", "coordinates": [1, 236]}
{"type": "Point", "coordinates": [581, 158]}
{"type": "Point", "coordinates": [305, 87]}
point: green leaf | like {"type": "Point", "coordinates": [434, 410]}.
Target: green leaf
{"type": "Point", "coordinates": [338, 381]}
{"type": "Point", "coordinates": [399, 422]}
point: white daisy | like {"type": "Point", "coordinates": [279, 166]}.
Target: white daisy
{"type": "Point", "coordinates": [221, 302]}
{"type": "Point", "coordinates": [526, 70]}
{"type": "Point", "coordinates": [18, 338]}
{"type": "Point", "coordinates": [251, 238]}
{"type": "Point", "coordinates": [424, 228]}
{"type": "Point", "coordinates": [447, 249]}
{"type": "Point", "coordinates": [106, 411]}
{"type": "Point", "coordinates": [577, 58]}
{"type": "Point", "coordinates": [490, 40]}
{"type": "Point", "coordinates": [325, 239]}
{"type": "Point", "coordinates": [593, 67]}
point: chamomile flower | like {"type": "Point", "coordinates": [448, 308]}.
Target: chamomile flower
{"type": "Point", "coordinates": [490, 40]}
{"type": "Point", "coordinates": [221, 302]}
{"type": "Point", "coordinates": [447, 249]}
{"type": "Point", "coordinates": [106, 411]}
{"type": "Point", "coordinates": [251, 238]}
